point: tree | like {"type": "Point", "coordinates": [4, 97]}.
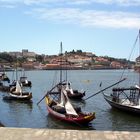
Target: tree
{"type": "Point", "coordinates": [39, 58]}
{"type": "Point", "coordinates": [6, 57]}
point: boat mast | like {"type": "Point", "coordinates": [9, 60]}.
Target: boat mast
{"type": "Point", "coordinates": [16, 70]}
{"type": "Point", "coordinates": [66, 64]}
{"type": "Point", "coordinates": [60, 62]}
{"type": "Point", "coordinates": [139, 54]}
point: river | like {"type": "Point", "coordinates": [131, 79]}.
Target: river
{"type": "Point", "coordinates": [15, 114]}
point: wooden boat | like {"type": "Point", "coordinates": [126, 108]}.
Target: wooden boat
{"type": "Point", "coordinates": [66, 85]}
{"type": "Point", "coordinates": [4, 77]}
{"type": "Point", "coordinates": [24, 80]}
{"type": "Point", "coordinates": [16, 93]}
{"type": "Point", "coordinates": [63, 110]}
{"type": "Point", "coordinates": [72, 94]}
{"type": "Point", "coordinates": [3, 85]}
{"type": "Point", "coordinates": [125, 99]}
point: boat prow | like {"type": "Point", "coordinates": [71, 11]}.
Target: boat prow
{"type": "Point", "coordinates": [123, 105]}
{"type": "Point", "coordinates": [23, 97]}
{"type": "Point", "coordinates": [64, 114]}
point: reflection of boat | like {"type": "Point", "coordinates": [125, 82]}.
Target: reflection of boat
{"type": "Point", "coordinates": [73, 94]}
{"type": "Point", "coordinates": [126, 99]}
{"type": "Point", "coordinates": [62, 109]}
{"type": "Point", "coordinates": [27, 103]}
{"type": "Point", "coordinates": [16, 93]}
{"type": "Point", "coordinates": [52, 122]}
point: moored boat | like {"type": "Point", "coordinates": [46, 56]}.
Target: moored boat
{"type": "Point", "coordinates": [24, 81]}
{"type": "Point", "coordinates": [72, 94]}
{"type": "Point", "coordinates": [65, 84]}
{"type": "Point", "coordinates": [4, 77]}
{"type": "Point", "coordinates": [16, 93]}
{"type": "Point", "coordinates": [125, 99]}
{"type": "Point", "coordinates": [64, 110]}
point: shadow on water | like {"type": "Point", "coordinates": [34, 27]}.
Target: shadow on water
{"type": "Point", "coordinates": [60, 124]}
{"type": "Point", "coordinates": [29, 104]}
{"type": "Point", "coordinates": [52, 123]}
{"type": "Point", "coordinates": [21, 114]}
{"type": "Point", "coordinates": [122, 121]}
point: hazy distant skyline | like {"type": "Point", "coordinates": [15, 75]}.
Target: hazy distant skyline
{"type": "Point", "coordinates": [103, 27]}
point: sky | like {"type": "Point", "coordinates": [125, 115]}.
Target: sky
{"type": "Point", "coordinates": [103, 27]}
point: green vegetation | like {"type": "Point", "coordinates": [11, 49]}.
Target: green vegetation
{"type": "Point", "coordinates": [5, 57]}
{"type": "Point", "coordinates": [84, 59]}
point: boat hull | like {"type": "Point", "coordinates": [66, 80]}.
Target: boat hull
{"type": "Point", "coordinates": [18, 97]}
{"type": "Point", "coordinates": [4, 88]}
{"type": "Point", "coordinates": [29, 84]}
{"type": "Point", "coordinates": [83, 119]}
{"type": "Point", "coordinates": [77, 95]}
{"type": "Point", "coordinates": [126, 108]}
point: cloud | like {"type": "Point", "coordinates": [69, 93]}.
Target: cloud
{"type": "Point", "coordinates": [119, 2]}
{"type": "Point", "coordinates": [9, 6]}
{"type": "Point", "coordinates": [59, 11]}
{"type": "Point", "coordinates": [90, 18]}
{"type": "Point", "coordinates": [76, 2]}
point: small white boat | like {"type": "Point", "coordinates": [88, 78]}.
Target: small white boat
{"type": "Point", "coordinates": [16, 93]}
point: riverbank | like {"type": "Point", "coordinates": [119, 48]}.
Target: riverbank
{"type": "Point", "coordinates": [62, 134]}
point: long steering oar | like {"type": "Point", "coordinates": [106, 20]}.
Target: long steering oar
{"type": "Point", "coordinates": [46, 94]}
{"type": "Point", "coordinates": [106, 88]}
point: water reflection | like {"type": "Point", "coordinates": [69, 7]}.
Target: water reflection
{"type": "Point", "coordinates": [126, 119]}
{"type": "Point", "coordinates": [18, 104]}
{"type": "Point", "coordinates": [18, 114]}
{"type": "Point", "coordinates": [60, 124]}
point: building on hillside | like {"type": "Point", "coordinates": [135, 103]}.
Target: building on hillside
{"type": "Point", "coordinates": [138, 60]}
{"type": "Point", "coordinates": [137, 64]}
{"type": "Point", "coordinates": [89, 54]}
{"type": "Point", "coordinates": [79, 59]}
{"type": "Point", "coordinates": [28, 65]}
{"type": "Point", "coordinates": [28, 54]}
{"type": "Point", "coordinates": [100, 59]}
{"type": "Point", "coordinates": [116, 65]}
{"type": "Point", "coordinates": [16, 54]}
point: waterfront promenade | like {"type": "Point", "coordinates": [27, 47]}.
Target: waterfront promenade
{"type": "Point", "coordinates": [59, 134]}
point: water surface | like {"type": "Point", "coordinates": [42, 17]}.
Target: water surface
{"type": "Point", "coordinates": [16, 114]}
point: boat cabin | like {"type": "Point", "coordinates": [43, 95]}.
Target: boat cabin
{"type": "Point", "coordinates": [131, 95]}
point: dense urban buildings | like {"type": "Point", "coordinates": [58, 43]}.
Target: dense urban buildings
{"type": "Point", "coordinates": [70, 60]}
